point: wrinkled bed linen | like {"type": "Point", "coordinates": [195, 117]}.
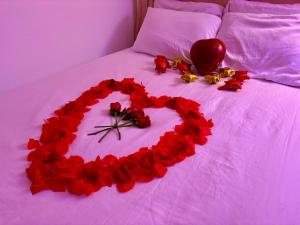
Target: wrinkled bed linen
{"type": "Point", "coordinates": [247, 173]}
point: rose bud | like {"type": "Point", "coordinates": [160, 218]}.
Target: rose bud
{"type": "Point", "coordinates": [115, 108]}
{"type": "Point", "coordinates": [184, 67]}
{"type": "Point", "coordinates": [161, 67]}
{"type": "Point", "coordinates": [132, 113]}
{"type": "Point", "coordinates": [161, 63]}
{"type": "Point", "coordinates": [161, 58]}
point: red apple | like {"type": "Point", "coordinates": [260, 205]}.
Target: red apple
{"type": "Point", "coordinates": [207, 54]}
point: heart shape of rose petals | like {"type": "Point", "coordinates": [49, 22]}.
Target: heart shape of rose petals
{"type": "Point", "coordinates": [51, 169]}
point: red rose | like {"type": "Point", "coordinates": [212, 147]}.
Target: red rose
{"type": "Point", "coordinates": [161, 67]}
{"type": "Point", "coordinates": [132, 113]}
{"type": "Point", "coordinates": [115, 108]}
{"type": "Point", "coordinates": [161, 63]}
{"type": "Point", "coordinates": [161, 58]}
{"type": "Point", "coordinates": [143, 122]}
{"type": "Point", "coordinates": [184, 67]}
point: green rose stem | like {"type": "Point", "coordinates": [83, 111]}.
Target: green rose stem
{"type": "Point", "coordinates": [101, 126]}
{"type": "Point", "coordinates": [97, 132]}
{"type": "Point", "coordinates": [121, 125]}
{"type": "Point", "coordinates": [117, 127]}
{"type": "Point", "coordinates": [124, 124]}
{"type": "Point", "coordinates": [129, 125]}
{"type": "Point", "coordinates": [107, 132]}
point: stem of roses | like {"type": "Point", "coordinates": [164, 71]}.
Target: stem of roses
{"type": "Point", "coordinates": [97, 132]}
{"type": "Point", "coordinates": [107, 132]}
{"type": "Point", "coordinates": [101, 126]}
{"type": "Point", "coordinates": [120, 119]}
{"type": "Point", "coordinates": [114, 125]}
{"type": "Point", "coordinates": [117, 126]}
{"type": "Point", "coordinates": [127, 123]}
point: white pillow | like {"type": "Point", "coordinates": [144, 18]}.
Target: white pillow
{"type": "Point", "coordinates": [189, 6]}
{"type": "Point", "coordinates": [263, 7]}
{"type": "Point", "coordinates": [171, 33]}
{"type": "Point", "coordinates": [266, 45]}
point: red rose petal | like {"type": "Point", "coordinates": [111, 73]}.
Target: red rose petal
{"type": "Point", "coordinates": [125, 186]}
{"type": "Point", "coordinates": [32, 144]}
{"type": "Point", "coordinates": [160, 170]}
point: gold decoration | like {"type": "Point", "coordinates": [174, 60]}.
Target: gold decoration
{"type": "Point", "coordinates": [176, 62]}
{"type": "Point", "coordinates": [212, 78]}
{"type": "Point", "coordinates": [226, 72]}
{"type": "Point", "coordinates": [189, 77]}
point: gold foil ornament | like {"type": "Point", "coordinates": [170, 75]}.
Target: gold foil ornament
{"type": "Point", "coordinates": [212, 78]}
{"type": "Point", "coordinates": [189, 77]}
{"type": "Point", "coordinates": [176, 62]}
{"type": "Point", "coordinates": [226, 72]}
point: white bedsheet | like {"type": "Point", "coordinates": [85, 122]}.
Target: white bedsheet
{"type": "Point", "coordinates": [248, 172]}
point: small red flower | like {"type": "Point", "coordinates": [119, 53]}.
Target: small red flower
{"type": "Point", "coordinates": [161, 63]}
{"type": "Point", "coordinates": [161, 58]}
{"type": "Point", "coordinates": [132, 113]}
{"type": "Point", "coordinates": [161, 67]}
{"type": "Point", "coordinates": [143, 121]}
{"type": "Point", "coordinates": [184, 67]}
{"type": "Point", "coordinates": [115, 108]}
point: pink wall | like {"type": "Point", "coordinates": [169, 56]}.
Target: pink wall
{"type": "Point", "coordinates": [42, 37]}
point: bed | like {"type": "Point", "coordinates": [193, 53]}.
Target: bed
{"type": "Point", "coordinates": [247, 173]}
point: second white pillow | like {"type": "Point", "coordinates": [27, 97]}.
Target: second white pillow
{"type": "Point", "coordinates": [266, 45]}
{"type": "Point", "coordinates": [244, 6]}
